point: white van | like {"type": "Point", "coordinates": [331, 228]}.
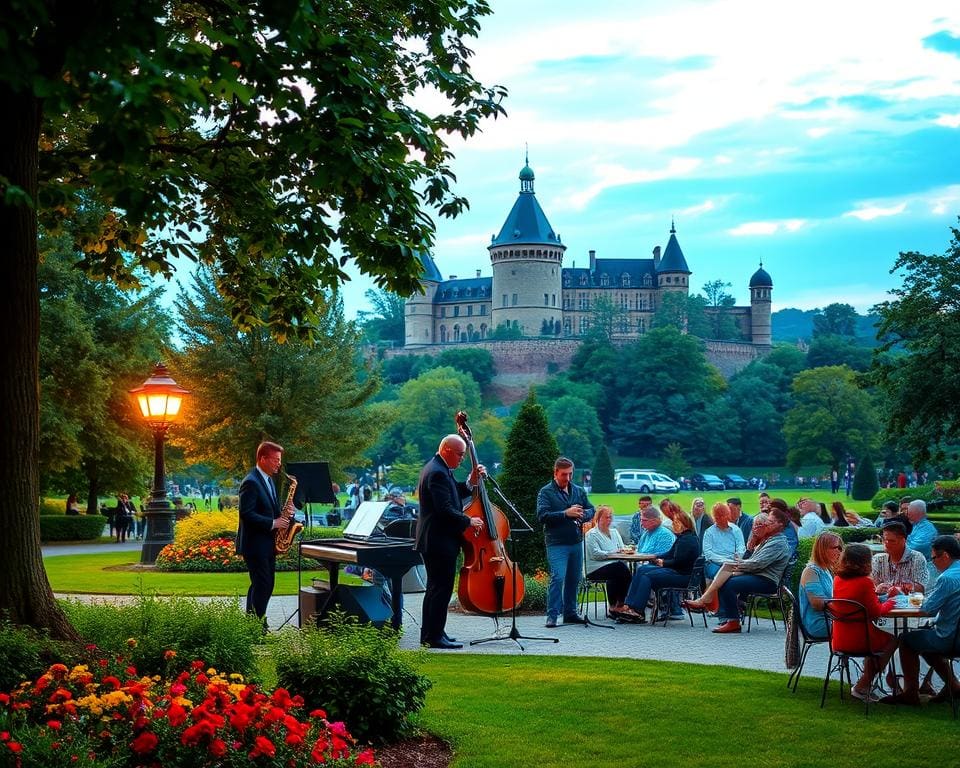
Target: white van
{"type": "Point", "coordinates": [644, 481]}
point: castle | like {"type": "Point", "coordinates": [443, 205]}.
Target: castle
{"type": "Point", "coordinates": [533, 294]}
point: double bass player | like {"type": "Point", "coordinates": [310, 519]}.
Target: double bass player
{"type": "Point", "coordinates": [440, 529]}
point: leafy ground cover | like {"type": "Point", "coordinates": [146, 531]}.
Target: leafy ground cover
{"type": "Point", "coordinates": [558, 711]}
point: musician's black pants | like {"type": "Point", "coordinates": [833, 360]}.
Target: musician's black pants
{"type": "Point", "coordinates": [262, 571]}
{"type": "Point", "coordinates": [441, 568]}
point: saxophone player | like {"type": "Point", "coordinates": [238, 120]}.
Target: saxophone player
{"type": "Point", "coordinates": [260, 517]}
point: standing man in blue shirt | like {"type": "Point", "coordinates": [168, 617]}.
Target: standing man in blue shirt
{"type": "Point", "coordinates": [562, 508]}
{"type": "Point", "coordinates": [933, 643]}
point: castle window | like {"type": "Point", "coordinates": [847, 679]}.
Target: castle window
{"type": "Point", "coordinates": [483, 309]}
{"type": "Point", "coordinates": [456, 333]}
{"type": "Point", "coordinates": [469, 336]}
{"type": "Point", "coordinates": [566, 326]}
{"type": "Point", "coordinates": [583, 279]}
{"type": "Point", "coordinates": [647, 280]}
{"type": "Point", "coordinates": [504, 300]}
{"type": "Point", "coordinates": [456, 311]}
{"type": "Point", "coordinates": [584, 325]}
{"type": "Point", "coordinates": [483, 331]}
{"type": "Point", "coordinates": [546, 298]}
{"type": "Point", "coordinates": [514, 299]}
{"type": "Point", "coordinates": [443, 334]}
{"type": "Point", "coordinates": [641, 326]}
{"type": "Point", "coordinates": [604, 280]}
{"type": "Point", "coordinates": [566, 281]}
{"type": "Point", "coordinates": [456, 292]}
{"type": "Point", "coordinates": [625, 280]}
{"type": "Point", "coordinates": [470, 310]}
{"type": "Point", "coordinates": [668, 279]}
{"type": "Point", "coordinates": [443, 311]}
{"type": "Point", "coordinates": [553, 299]}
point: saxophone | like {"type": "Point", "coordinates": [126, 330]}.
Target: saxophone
{"type": "Point", "coordinates": [283, 537]}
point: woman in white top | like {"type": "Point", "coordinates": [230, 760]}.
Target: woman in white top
{"type": "Point", "coordinates": [603, 544]}
{"type": "Point", "coordinates": [721, 541]}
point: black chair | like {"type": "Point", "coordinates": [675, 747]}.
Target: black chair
{"type": "Point", "coordinates": [840, 611]}
{"type": "Point", "coordinates": [951, 659]}
{"type": "Point", "coordinates": [751, 598]}
{"type": "Point", "coordinates": [589, 585]}
{"type": "Point", "coordinates": [808, 639]}
{"type": "Point", "coordinates": [692, 590]}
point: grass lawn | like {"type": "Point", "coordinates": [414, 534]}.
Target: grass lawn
{"type": "Point", "coordinates": [100, 574]}
{"type": "Point", "coordinates": [554, 711]}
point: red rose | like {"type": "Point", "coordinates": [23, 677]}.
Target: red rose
{"type": "Point", "coordinates": [145, 742]}
{"type": "Point", "coordinates": [366, 758]}
{"type": "Point", "coordinates": [218, 748]}
{"type": "Point", "coordinates": [262, 746]}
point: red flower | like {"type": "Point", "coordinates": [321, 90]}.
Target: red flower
{"type": "Point", "coordinates": [112, 682]}
{"type": "Point", "coordinates": [176, 715]}
{"type": "Point", "coordinates": [197, 665]}
{"type": "Point", "coordinates": [218, 748]}
{"type": "Point", "coordinates": [262, 746]}
{"type": "Point", "coordinates": [4, 699]}
{"type": "Point", "coordinates": [54, 725]}
{"type": "Point", "coordinates": [145, 742]}
{"type": "Point", "coordinates": [15, 747]}
{"type": "Point", "coordinates": [318, 713]}
{"type": "Point", "coordinates": [366, 758]}
{"type": "Point", "coordinates": [169, 654]}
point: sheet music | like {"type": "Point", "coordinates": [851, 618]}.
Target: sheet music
{"type": "Point", "coordinates": [365, 519]}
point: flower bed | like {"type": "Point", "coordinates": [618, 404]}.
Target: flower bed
{"type": "Point", "coordinates": [216, 555]}
{"type": "Point", "coordinates": [105, 714]}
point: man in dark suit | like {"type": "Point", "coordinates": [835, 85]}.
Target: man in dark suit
{"type": "Point", "coordinates": [259, 518]}
{"type": "Point", "coordinates": [439, 529]}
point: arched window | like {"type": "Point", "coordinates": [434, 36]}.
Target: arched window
{"type": "Point", "coordinates": [566, 326]}
{"type": "Point", "coordinates": [483, 331]}
{"type": "Point", "coordinates": [456, 333]}
{"type": "Point", "coordinates": [443, 334]}
{"type": "Point", "coordinates": [583, 279]}
{"type": "Point", "coordinates": [625, 280]}
{"type": "Point", "coordinates": [647, 280]}
{"type": "Point", "coordinates": [604, 280]}
{"type": "Point", "coordinates": [566, 281]}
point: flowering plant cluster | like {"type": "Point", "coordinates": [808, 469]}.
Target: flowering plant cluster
{"type": "Point", "coordinates": [213, 555]}
{"type": "Point", "coordinates": [106, 714]}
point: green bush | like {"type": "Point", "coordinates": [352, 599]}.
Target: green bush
{"type": "Point", "coordinates": [534, 594]}
{"type": "Point", "coordinates": [946, 527]}
{"type": "Point", "coordinates": [71, 527]}
{"type": "Point", "coordinates": [216, 631]}
{"type": "Point", "coordinates": [53, 507]}
{"type": "Point", "coordinates": [848, 535]}
{"type": "Point", "coordinates": [926, 492]}
{"type": "Point", "coordinates": [865, 483]}
{"type": "Point", "coordinates": [356, 673]}
{"type": "Point", "coordinates": [25, 654]}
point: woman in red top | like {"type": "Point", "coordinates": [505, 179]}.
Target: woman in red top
{"type": "Point", "coordinates": [853, 582]}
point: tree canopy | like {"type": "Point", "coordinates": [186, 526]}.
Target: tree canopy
{"type": "Point", "coordinates": [917, 366]}
{"type": "Point", "coordinates": [271, 142]}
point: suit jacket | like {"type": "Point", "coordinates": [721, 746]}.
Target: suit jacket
{"type": "Point", "coordinates": [441, 522]}
{"type": "Point", "coordinates": [258, 510]}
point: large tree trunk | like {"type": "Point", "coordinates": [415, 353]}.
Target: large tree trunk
{"type": "Point", "coordinates": [26, 595]}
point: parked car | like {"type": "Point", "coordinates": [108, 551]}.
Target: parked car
{"type": "Point", "coordinates": [735, 481]}
{"type": "Point", "coordinates": [644, 481]}
{"type": "Point", "coordinates": [704, 482]}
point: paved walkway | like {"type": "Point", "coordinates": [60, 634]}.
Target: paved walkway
{"type": "Point", "coordinates": [762, 649]}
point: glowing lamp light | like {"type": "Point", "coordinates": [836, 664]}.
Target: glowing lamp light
{"type": "Point", "coordinates": [159, 398]}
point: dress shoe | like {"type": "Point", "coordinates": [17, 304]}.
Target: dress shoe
{"type": "Point", "coordinates": [443, 644]}
{"type": "Point", "coordinates": [728, 628]}
{"type": "Point", "coordinates": [574, 618]}
{"type": "Point", "coordinates": [551, 623]}
{"type": "Point", "coordinates": [448, 638]}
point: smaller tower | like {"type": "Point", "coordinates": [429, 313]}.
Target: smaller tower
{"type": "Point", "coordinates": [672, 271]}
{"type": "Point", "coordinates": [761, 289]}
{"type": "Point", "coordinates": [418, 326]}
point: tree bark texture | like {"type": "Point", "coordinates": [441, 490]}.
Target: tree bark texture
{"type": "Point", "coordinates": [26, 596]}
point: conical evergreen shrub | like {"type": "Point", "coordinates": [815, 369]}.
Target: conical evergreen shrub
{"type": "Point", "coordinates": [865, 483]}
{"type": "Point", "coordinates": [602, 480]}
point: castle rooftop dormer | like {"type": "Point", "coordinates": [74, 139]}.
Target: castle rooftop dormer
{"type": "Point", "coordinates": [673, 260]}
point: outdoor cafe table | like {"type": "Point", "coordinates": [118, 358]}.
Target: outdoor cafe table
{"type": "Point", "coordinates": [632, 558]}
{"type": "Point", "coordinates": [901, 616]}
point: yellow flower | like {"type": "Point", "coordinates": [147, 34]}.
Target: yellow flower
{"type": "Point", "coordinates": [132, 642]}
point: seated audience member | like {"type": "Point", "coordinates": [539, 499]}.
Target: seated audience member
{"type": "Point", "coordinates": [701, 520]}
{"type": "Point", "coordinates": [889, 510]}
{"type": "Point", "coordinates": [816, 582]}
{"type": "Point", "coordinates": [655, 538]}
{"type": "Point", "coordinates": [898, 565]}
{"type": "Point", "coordinates": [824, 515]}
{"type": "Point", "coordinates": [853, 582]}
{"type": "Point", "coordinates": [73, 506]}
{"type": "Point", "coordinates": [602, 541]}
{"type": "Point", "coordinates": [738, 518]}
{"type": "Point", "coordinates": [792, 531]}
{"type": "Point", "coordinates": [667, 508]}
{"type": "Point", "coordinates": [855, 521]}
{"type": "Point", "coordinates": [721, 541]}
{"type": "Point", "coordinates": [924, 532]}
{"type": "Point", "coordinates": [636, 529]}
{"type": "Point", "coordinates": [759, 571]}
{"type": "Point", "coordinates": [809, 524]}
{"type": "Point", "coordinates": [671, 570]}
{"type": "Point", "coordinates": [940, 639]}
{"type": "Point", "coordinates": [839, 516]}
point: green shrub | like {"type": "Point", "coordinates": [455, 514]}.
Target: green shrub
{"type": "Point", "coordinates": [71, 527]}
{"type": "Point", "coordinates": [848, 535]}
{"type": "Point", "coordinates": [21, 655]}
{"type": "Point", "coordinates": [926, 492]}
{"type": "Point", "coordinates": [217, 631]}
{"type": "Point", "coordinates": [53, 506]}
{"type": "Point", "coordinates": [534, 594]}
{"type": "Point", "coordinates": [865, 483]}
{"type": "Point", "coordinates": [356, 673]}
{"type": "Point", "coordinates": [946, 527]}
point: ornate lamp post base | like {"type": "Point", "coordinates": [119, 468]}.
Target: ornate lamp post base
{"type": "Point", "coordinates": [159, 533]}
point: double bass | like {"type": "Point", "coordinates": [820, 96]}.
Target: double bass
{"type": "Point", "coordinates": [489, 581]}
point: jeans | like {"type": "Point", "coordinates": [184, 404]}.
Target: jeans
{"type": "Point", "coordinates": [710, 570]}
{"type": "Point", "coordinates": [741, 585]}
{"type": "Point", "coordinates": [648, 579]}
{"type": "Point", "coordinates": [566, 567]}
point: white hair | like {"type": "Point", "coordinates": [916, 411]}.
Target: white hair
{"type": "Point", "coordinates": [918, 505]}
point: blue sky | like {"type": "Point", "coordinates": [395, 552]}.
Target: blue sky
{"type": "Point", "coordinates": [820, 137]}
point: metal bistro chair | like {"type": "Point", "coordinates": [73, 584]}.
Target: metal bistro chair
{"type": "Point", "coordinates": [750, 611]}
{"type": "Point", "coordinates": [951, 659]}
{"type": "Point", "coordinates": [840, 611]}
{"type": "Point", "coordinates": [589, 585]}
{"type": "Point", "coordinates": [691, 591]}
{"type": "Point", "coordinates": [808, 639]}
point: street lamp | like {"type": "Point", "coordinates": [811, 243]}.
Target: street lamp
{"type": "Point", "coordinates": [158, 399]}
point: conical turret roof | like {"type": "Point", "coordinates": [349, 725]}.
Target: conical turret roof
{"type": "Point", "coordinates": [430, 272]}
{"type": "Point", "coordinates": [673, 260]}
{"type": "Point", "coordinates": [526, 223]}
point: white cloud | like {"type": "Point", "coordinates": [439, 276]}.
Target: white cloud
{"type": "Point", "coordinates": [705, 207]}
{"type": "Point", "coordinates": [949, 121]}
{"type": "Point", "coordinates": [871, 212]}
{"type": "Point", "coordinates": [754, 228]}
{"type": "Point", "coordinates": [818, 133]}
{"type": "Point", "coordinates": [617, 176]}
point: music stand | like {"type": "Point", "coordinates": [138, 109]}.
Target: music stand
{"type": "Point", "coordinates": [514, 633]}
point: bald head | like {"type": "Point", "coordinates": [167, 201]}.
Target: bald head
{"type": "Point", "coordinates": [451, 450]}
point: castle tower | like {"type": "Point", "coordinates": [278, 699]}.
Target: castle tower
{"type": "Point", "coordinates": [761, 288]}
{"type": "Point", "coordinates": [672, 271]}
{"type": "Point", "coordinates": [526, 257]}
{"type": "Point", "coordinates": [418, 309]}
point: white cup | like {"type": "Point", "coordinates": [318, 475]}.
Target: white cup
{"type": "Point", "coordinates": [915, 599]}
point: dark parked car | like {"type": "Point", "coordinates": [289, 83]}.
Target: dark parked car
{"type": "Point", "coordinates": [702, 482]}
{"type": "Point", "coordinates": [735, 481]}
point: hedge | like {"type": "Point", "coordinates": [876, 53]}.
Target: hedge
{"type": "Point", "coordinates": [848, 535]}
{"type": "Point", "coordinates": [71, 527]}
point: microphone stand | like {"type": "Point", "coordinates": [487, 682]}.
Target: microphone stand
{"type": "Point", "coordinates": [514, 633]}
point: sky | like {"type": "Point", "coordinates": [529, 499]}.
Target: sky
{"type": "Point", "coordinates": [821, 138]}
